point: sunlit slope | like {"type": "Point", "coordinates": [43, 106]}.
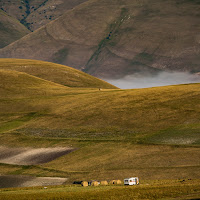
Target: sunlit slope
{"type": "Point", "coordinates": [104, 127]}
{"type": "Point", "coordinates": [18, 84]}
{"type": "Point", "coordinates": [112, 38]}
{"type": "Point", "coordinates": [54, 72]}
{"type": "Point", "coordinates": [157, 115]}
{"type": "Point", "coordinates": [18, 91]}
{"type": "Point", "coordinates": [10, 29]}
{"type": "Point", "coordinates": [32, 95]}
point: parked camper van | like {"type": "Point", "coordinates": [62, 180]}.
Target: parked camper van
{"type": "Point", "coordinates": [131, 181]}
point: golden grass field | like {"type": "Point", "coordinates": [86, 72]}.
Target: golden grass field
{"type": "Point", "coordinates": [151, 133]}
{"type": "Point", "coordinates": [147, 190]}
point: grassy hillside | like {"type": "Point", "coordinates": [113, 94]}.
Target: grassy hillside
{"type": "Point", "coordinates": [138, 115]}
{"type": "Point", "coordinates": [107, 160]}
{"type": "Point", "coordinates": [168, 115]}
{"type": "Point", "coordinates": [27, 86]}
{"type": "Point", "coordinates": [151, 133]}
{"type": "Point", "coordinates": [17, 84]}
{"type": "Point", "coordinates": [60, 74]}
{"type": "Point", "coordinates": [16, 91]}
{"type": "Point", "coordinates": [112, 39]}
{"type": "Point", "coordinates": [10, 29]}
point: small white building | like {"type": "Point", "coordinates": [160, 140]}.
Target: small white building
{"type": "Point", "coordinates": [131, 181]}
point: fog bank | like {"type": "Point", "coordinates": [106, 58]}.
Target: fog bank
{"type": "Point", "coordinates": [162, 79]}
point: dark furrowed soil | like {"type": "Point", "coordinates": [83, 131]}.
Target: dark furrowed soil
{"type": "Point", "coordinates": [28, 181]}
{"type": "Point", "coordinates": [27, 156]}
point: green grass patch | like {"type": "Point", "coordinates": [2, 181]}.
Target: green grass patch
{"type": "Point", "coordinates": [10, 125]}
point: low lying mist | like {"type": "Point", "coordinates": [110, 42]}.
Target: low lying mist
{"type": "Point", "coordinates": [162, 79]}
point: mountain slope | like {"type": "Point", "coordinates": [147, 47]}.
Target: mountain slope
{"type": "Point", "coordinates": [54, 72]}
{"type": "Point", "coordinates": [10, 29]}
{"type": "Point", "coordinates": [26, 87]}
{"type": "Point", "coordinates": [112, 39]}
{"type": "Point", "coordinates": [36, 13]}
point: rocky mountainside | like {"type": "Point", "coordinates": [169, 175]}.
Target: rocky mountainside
{"type": "Point", "coordinates": [112, 39]}
{"type": "Point", "coordinates": [36, 13]}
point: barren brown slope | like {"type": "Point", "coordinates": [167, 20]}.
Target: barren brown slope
{"type": "Point", "coordinates": [36, 13]}
{"type": "Point", "coordinates": [116, 38]}
{"type": "Point", "coordinates": [30, 156]}
{"type": "Point", "coordinates": [49, 11]}
{"type": "Point", "coordinates": [10, 29]}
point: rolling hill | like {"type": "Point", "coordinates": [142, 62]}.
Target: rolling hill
{"type": "Point", "coordinates": [60, 74]}
{"type": "Point", "coordinates": [26, 85]}
{"type": "Point", "coordinates": [112, 39]}
{"type": "Point", "coordinates": [18, 84]}
{"type": "Point", "coordinates": [81, 110]}
{"type": "Point", "coordinates": [151, 133]}
{"type": "Point", "coordinates": [10, 29]}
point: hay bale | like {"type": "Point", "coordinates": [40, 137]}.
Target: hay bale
{"type": "Point", "coordinates": [117, 182]}
{"type": "Point", "coordinates": [112, 182]}
{"type": "Point", "coordinates": [95, 183]}
{"type": "Point", "coordinates": [104, 182]}
{"type": "Point", "coordinates": [84, 183]}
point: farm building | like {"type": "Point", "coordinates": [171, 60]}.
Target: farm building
{"type": "Point", "coordinates": [131, 181]}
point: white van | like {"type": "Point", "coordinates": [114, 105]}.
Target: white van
{"type": "Point", "coordinates": [131, 181]}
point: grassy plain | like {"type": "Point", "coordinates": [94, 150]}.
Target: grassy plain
{"type": "Point", "coordinates": [97, 160]}
{"type": "Point", "coordinates": [147, 190]}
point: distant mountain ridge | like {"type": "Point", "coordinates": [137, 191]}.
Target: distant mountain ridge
{"type": "Point", "coordinates": [112, 39]}
{"type": "Point", "coordinates": [37, 13]}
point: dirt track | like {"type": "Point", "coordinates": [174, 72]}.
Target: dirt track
{"type": "Point", "coordinates": [28, 181]}
{"type": "Point", "coordinates": [28, 156]}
